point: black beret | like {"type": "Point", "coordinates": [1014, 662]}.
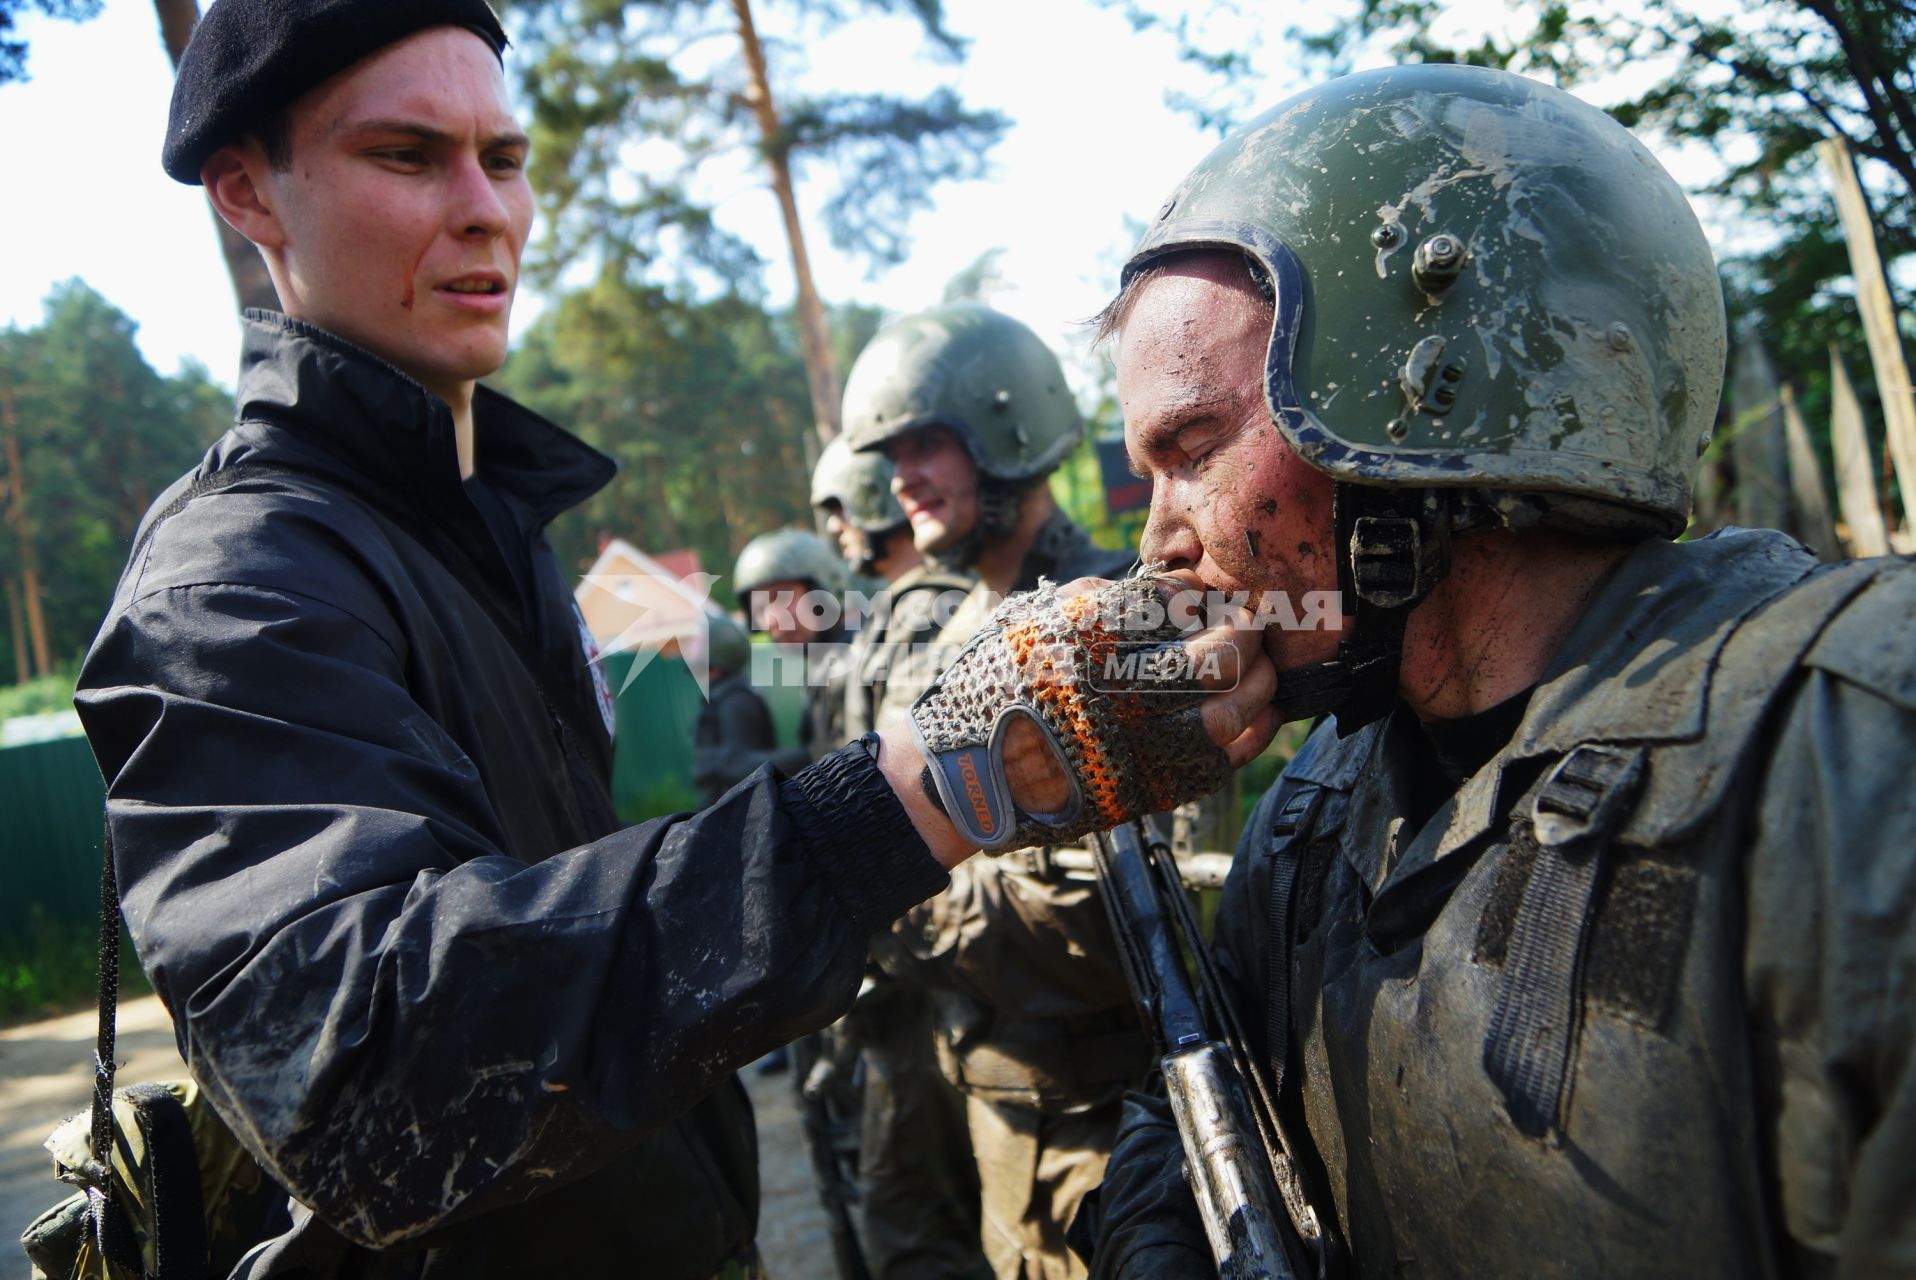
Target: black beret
{"type": "Point", "coordinates": [251, 58]}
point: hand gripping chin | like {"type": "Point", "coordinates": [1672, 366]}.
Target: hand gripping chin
{"type": "Point", "coordinates": [1113, 694]}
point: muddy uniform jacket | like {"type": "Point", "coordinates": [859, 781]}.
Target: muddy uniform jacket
{"type": "Point", "coordinates": [357, 784]}
{"type": "Point", "coordinates": [1737, 972]}
{"type": "Point", "coordinates": [1035, 1009]}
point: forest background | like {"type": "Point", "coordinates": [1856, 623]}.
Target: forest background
{"type": "Point", "coordinates": [693, 354]}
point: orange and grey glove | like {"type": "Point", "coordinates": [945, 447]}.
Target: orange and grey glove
{"type": "Point", "coordinates": [1105, 680]}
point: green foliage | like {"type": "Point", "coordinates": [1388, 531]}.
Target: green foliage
{"type": "Point", "coordinates": [38, 697]}
{"type": "Point", "coordinates": [630, 99]}
{"type": "Point", "coordinates": [1078, 485]}
{"type": "Point", "coordinates": [1757, 84]}
{"type": "Point", "coordinates": [703, 402]}
{"type": "Point", "coordinates": [13, 52]}
{"type": "Point", "coordinates": [50, 968]}
{"type": "Point", "coordinates": [101, 434]}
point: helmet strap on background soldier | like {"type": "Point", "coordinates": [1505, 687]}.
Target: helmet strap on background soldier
{"type": "Point", "coordinates": [999, 504]}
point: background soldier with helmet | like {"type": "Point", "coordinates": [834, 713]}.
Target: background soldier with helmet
{"type": "Point", "coordinates": [782, 579]}
{"type": "Point", "coordinates": [917, 1208]}
{"type": "Point", "coordinates": [1035, 1023]}
{"type": "Point", "coordinates": [733, 734]}
{"type": "Point", "coordinates": [1578, 939]}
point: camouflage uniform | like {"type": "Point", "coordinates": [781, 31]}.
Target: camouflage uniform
{"type": "Point", "coordinates": [1035, 1023]}
{"type": "Point", "coordinates": [918, 1215]}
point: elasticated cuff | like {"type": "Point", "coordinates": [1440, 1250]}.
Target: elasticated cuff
{"type": "Point", "coordinates": [858, 834]}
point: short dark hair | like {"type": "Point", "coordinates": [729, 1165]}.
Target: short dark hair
{"type": "Point", "coordinates": [1106, 323]}
{"type": "Point", "coordinates": [275, 138]}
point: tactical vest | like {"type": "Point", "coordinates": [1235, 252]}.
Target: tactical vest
{"type": "Point", "coordinates": [1032, 1005]}
{"type": "Point", "coordinates": [1520, 1034]}
{"type": "Point", "coordinates": [905, 615]}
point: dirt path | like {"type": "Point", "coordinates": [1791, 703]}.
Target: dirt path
{"type": "Point", "coordinates": [45, 1076]}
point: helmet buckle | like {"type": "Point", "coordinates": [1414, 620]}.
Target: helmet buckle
{"type": "Point", "coordinates": [1387, 560]}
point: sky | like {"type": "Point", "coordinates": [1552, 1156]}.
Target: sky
{"type": "Point", "coordinates": [1092, 145]}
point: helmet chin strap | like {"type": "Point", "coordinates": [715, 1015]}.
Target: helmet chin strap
{"type": "Point", "coordinates": [879, 545]}
{"type": "Point", "coordinates": [1394, 547]}
{"type": "Point", "coordinates": [998, 504]}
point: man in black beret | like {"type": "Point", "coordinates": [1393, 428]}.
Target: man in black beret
{"type": "Point", "coordinates": [357, 753]}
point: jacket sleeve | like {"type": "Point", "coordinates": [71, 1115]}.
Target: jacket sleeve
{"type": "Point", "coordinates": [746, 741]}
{"type": "Point", "coordinates": [406, 1025]}
{"type": "Point", "coordinates": [1830, 956]}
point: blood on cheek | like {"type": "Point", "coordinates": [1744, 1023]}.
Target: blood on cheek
{"type": "Point", "coordinates": [412, 278]}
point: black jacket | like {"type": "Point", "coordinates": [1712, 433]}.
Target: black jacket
{"type": "Point", "coordinates": [357, 786]}
{"type": "Point", "coordinates": [733, 736]}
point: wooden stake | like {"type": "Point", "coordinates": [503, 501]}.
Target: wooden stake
{"type": "Point", "coordinates": [1855, 469]}
{"type": "Point", "coordinates": [1809, 500]}
{"type": "Point", "coordinates": [821, 376]}
{"type": "Point", "coordinates": [1879, 318]}
{"type": "Point", "coordinates": [1757, 448]}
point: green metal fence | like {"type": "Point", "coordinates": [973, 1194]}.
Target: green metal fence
{"type": "Point", "coordinates": [51, 795]}
{"type": "Point", "coordinates": [652, 766]}
{"type": "Point", "coordinates": [50, 810]}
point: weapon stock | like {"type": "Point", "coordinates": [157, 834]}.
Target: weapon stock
{"type": "Point", "coordinates": [1256, 1218]}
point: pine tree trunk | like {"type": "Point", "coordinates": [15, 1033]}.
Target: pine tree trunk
{"type": "Point", "coordinates": [252, 286]}
{"type": "Point", "coordinates": [23, 531]}
{"type": "Point", "coordinates": [819, 371]}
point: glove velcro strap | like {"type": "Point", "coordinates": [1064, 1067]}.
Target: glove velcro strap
{"type": "Point", "coordinates": [976, 794]}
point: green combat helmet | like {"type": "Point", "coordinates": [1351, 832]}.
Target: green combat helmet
{"type": "Point", "coordinates": [786, 555]}
{"type": "Point", "coordinates": [1493, 307]}
{"type": "Point", "coordinates": [727, 646]}
{"type": "Point", "coordinates": [977, 372]}
{"type": "Point", "coordinates": [860, 483]}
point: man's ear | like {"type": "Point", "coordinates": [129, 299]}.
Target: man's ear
{"type": "Point", "coordinates": [235, 178]}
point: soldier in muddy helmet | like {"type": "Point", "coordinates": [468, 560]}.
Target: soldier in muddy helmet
{"type": "Point", "coordinates": [1565, 937]}
{"type": "Point", "coordinates": [1034, 1022]}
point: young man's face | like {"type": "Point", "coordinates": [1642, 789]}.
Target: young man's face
{"type": "Point", "coordinates": [785, 610]}
{"type": "Point", "coordinates": [406, 207]}
{"type": "Point", "coordinates": [854, 544]}
{"type": "Point", "coordinates": [1229, 497]}
{"type": "Point", "coordinates": [937, 486]}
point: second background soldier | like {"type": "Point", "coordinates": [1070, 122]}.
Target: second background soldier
{"type": "Point", "coordinates": [1035, 1022]}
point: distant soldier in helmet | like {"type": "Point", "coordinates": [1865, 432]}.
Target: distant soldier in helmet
{"type": "Point", "coordinates": [853, 492]}
{"type": "Point", "coordinates": [733, 734]}
{"type": "Point", "coordinates": [1036, 1026]}
{"type": "Point", "coordinates": [791, 585]}
{"type": "Point", "coordinates": [917, 1206]}
{"type": "Point", "coordinates": [1578, 937]}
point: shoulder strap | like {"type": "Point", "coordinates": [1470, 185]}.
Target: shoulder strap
{"type": "Point", "coordinates": [1290, 833]}
{"type": "Point", "coordinates": [1533, 1029]}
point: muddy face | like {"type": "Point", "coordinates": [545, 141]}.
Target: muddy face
{"type": "Point", "coordinates": [1230, 500]}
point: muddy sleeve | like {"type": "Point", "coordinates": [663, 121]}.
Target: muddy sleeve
{"type": "Point", "coordinates": [407, 1026]}
{"type": "Point", "coordinates": [1831, 964]}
